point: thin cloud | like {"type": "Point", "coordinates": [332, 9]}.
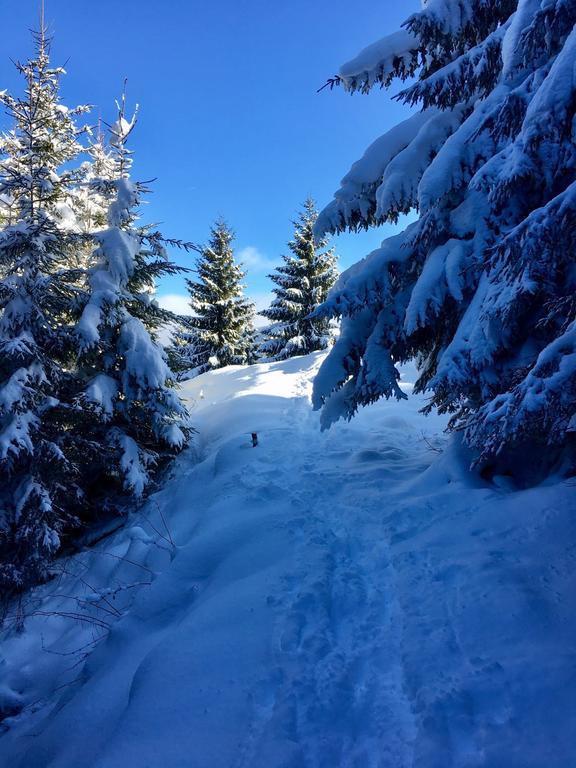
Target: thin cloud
{"type": "Point", "coordinates": [261, 301]}
{"type": "Point", "coordinates": [175, 302]}
{"type": "Point", "coordinates": [254, 260]}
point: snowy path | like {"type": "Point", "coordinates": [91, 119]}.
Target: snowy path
{"type": "Point", "coordinates": [329, 603]}
{"type": "Point", "coordinates": [336, 667]}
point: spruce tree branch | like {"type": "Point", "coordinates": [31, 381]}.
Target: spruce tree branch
{"type": "Point", "coordinates": [331, 83]}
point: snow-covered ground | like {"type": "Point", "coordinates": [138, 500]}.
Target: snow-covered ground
{"type": "Point", "coordinates": [349, 599]}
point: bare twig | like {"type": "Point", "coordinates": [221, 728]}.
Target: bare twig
{"type": "Point", "coordinates": [169, 534]}
{"type": "Point", "coordinates": [82, 618]}
{"type": "Point", "coordinates": [330, 83]}
{"type": "Point", "coordinates": [430, 445]}
{"type": "Point", "coordinates": [75, 651]}
{"type": "Point", "coordinates": [126, 560]}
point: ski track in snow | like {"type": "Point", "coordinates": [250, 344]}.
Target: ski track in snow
{"type": "Point", "coordinates": [333, 601]}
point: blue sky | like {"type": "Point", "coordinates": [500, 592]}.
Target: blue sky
{"type": "Point", "coordinates": [230, 121]}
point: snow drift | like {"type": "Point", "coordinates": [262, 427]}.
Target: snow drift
{"type": "Point", "coordinates": [352, 598]}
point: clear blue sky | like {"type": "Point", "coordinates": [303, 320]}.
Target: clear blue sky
{"type": "Point", "coordinates": [230, 121]}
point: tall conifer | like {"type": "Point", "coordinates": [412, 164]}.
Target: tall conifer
{"type": "Point", "coordinates": [132, 411]}
{"type": "Point", "coordinates": [39, 493]}
{"type": "Point", "coordinates": [220, 331]}
{"type": "Point", "coordinates": [480, 288]}
{"type": "Point", "coordinates": [303, 282]}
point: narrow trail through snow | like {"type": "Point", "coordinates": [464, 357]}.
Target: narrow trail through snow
{"type": "Point", "coordinates": [336, 640]}
{"type": "Point", "coordinates": [348, 599]}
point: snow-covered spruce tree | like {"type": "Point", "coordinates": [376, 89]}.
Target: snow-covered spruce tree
{"type": "Point", "coordinates": [303, 282]}
{"type": "Point", "coordinates": [39, 490]}
{"type": "Point", "coordinates": [88, 203]}
{"type": "Point", "coordinates": [131, 411]}
{"type": "Point", "coordinates": [480, 289]}
{"type": "Point", "coordinates": [220, 331]}
{"type": "Point", "coordinates": [250, 343]}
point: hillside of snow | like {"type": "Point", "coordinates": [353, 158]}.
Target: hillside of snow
{"type": "Point", "coordinates": [346, 599]}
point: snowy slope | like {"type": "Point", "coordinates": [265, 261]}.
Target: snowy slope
{"type": "Point", "coordinates": [349, 599]}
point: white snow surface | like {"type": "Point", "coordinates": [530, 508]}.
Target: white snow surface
{"type": "Point", "coordinates": [346, 599]}
{"type": "Point", "coordinates": [378, 58]}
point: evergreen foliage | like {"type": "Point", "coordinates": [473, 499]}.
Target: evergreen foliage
{"type": "Point", "coordinates": [220, 331]}
{"type": "Point", "coordinates": [135, 416]}
{"type": "Point", "coordinates": [303, 282]}
{"type": "Point", "coordinates": [480, 289]}
{"type": "Point", "coordinates": [87, 409]}
{"type": "Point", "coordinates": [39, 493]}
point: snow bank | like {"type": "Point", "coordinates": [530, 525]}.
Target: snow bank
{"type": "Point", "coordinates": [342, 599]}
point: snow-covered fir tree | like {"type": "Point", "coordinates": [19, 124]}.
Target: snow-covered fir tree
{"type": "Point", "coordinates": [86, 402]}
{"type": "Point", "coordinates": [89, 205]}
{"type": "Point", "coordinates": [39, 455]}
{"type": "Point", "coordinates": [251, 341]}
{"type": "Point", "coordinates": [480, 289]}
{"type": "Point", "coordinates": [303, 282]}
{"type": "Point", "coordinates": [220, 330]}
{"type": "Point", "coordinates": [133, 416]}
